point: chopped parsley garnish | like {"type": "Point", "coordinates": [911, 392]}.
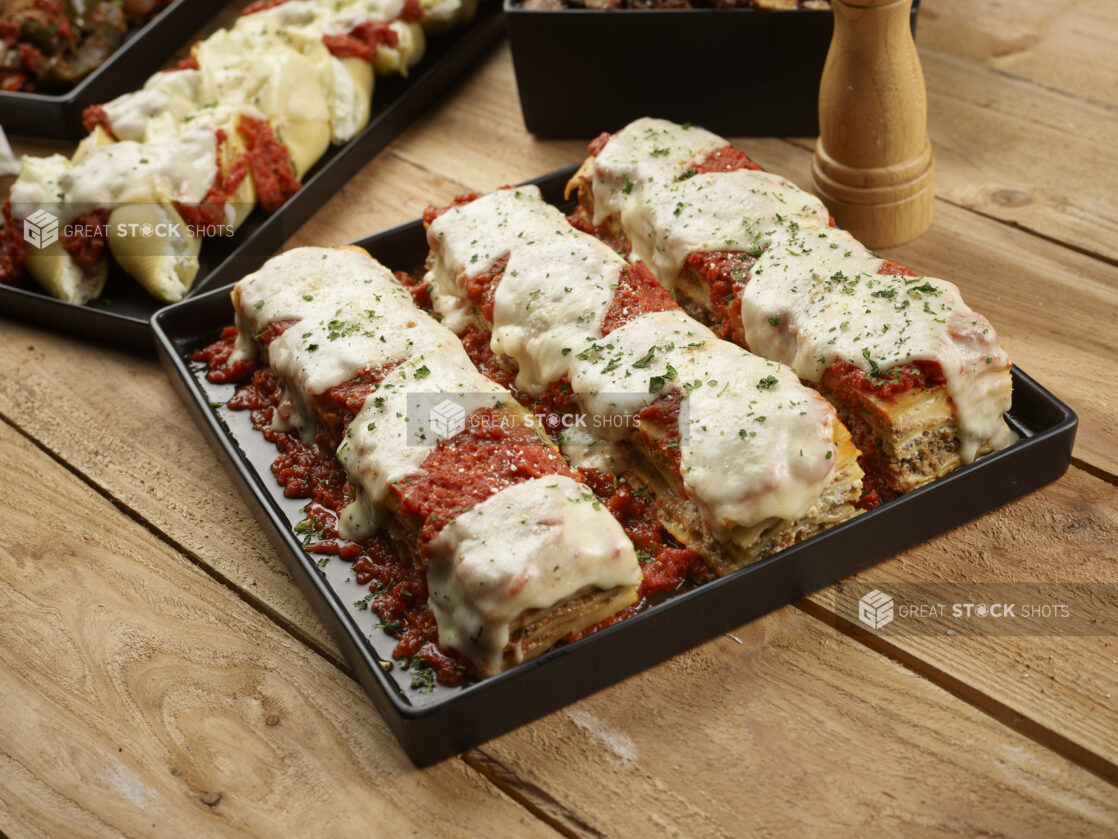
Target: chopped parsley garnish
{"type": "Point", "coordinates": [647, 360]}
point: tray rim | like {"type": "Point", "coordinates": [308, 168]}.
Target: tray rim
{"type": "Point", "coordinates": [430, 80]}
{"type": "Point", "coordinates": [401, 715]}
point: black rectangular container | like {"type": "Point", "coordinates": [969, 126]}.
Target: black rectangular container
{"type": "Point", "coordinates": [432, 726]}
{"type": "Point", "coordinates": [122, 313]}
{"type": "Point", "coordinates": [58, 116]}
{"type": "Point", "coordinates": [736, 72]}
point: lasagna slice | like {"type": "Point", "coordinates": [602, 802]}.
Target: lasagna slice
{"type": "Point", "coordinates": [741, 458]}
{"type": "Point", "coordinates": [917, 375]}
{"type": "Point", "coordinates": [516, 551]}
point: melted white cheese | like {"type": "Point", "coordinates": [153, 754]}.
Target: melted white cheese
{"type": "Point", "coordinates": [738, 470]}
{"type": "Point", "coordinates": [830, 302]}
{"type": "Point", "coordinates": [181, 170]}
{"type": "Point", "coordinates": [526, 547]}
{"type": "Point", "coordinates": [352, 314]}
{"type": "Point", "coordinates": [156, 111]}
{"type": "Point", "coordinates": [814, 293]}
{"type": "Point", "coordinates": [584, 450]}
{"type": "Point", "coordinates": [539, 316]}
{"type": "Point", "coordinates": [644, 153]}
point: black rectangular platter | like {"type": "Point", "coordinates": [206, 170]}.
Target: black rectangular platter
{"type": "Point", "coordinates": [58, 116]}
{"type": "Point", "coordinates": [121, 315]}
{"type": "Point", "coordinates": [432, 726]}
{"type": "Point", "coordinates": [737, 72]}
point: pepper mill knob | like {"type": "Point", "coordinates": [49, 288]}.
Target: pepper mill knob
{"type": "Point", "coordinates": [873, 165]}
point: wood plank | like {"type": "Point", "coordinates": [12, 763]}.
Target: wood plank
{"type": "Point", "coordinates": [796, 730]}
{"type": "Point", "coordinates": [1032, 41]}
{"type": "Point", "coordinates": [1019, 152]}
{"type": "Point", "coordinates": [134, 440]}
{"type": "Point", "coordinates": [139, 697]}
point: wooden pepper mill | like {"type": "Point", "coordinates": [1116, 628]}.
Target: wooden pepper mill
{"type": "Point", "coordinates": [873, 165]}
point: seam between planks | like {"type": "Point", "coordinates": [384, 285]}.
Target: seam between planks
{"type": "Point", "coordinates": [983, 66]}
{"type": "Point", "coordinates": [1095, 471]}
{"type": "Point", "coordinates": [529, 796]}
{"type": "Point", "coordinates": [392, 151]}
{"type": "Point", "coordinates": [994, 708]}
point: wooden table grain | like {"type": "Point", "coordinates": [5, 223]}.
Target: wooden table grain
{"type": "Point", "coordinates": [161, 675]}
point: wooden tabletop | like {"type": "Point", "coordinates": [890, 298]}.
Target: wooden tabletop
{"type": "Point", "coordinates": [161, 674]}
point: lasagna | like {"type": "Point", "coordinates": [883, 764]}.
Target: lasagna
{"type": "Point", "coordinates": [741, 459]}
{"type": "Point", "coordinates": [516, 551]}
{"type": "Point", "coordinates": [190, 155]}
{"type": "Point", "coordinates": [917, 376]}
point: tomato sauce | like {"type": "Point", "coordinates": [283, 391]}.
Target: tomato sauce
{"type": "Point", "coordinates": [476, 342]}
{"type": "Point", "coordinates": [397, 590]}
{"type": "Point", "coordinates": [607, 233]}
{"type": "Point", "coordinates": [598, 143]}
{"type": "Point", "coordinates": [725, 274]}
{"type": "Point", "coordinates": [420, 290]}
{"type": "Point", "coordinates": [894, 269]}
{"type": "Point", "coordinates": [210, 212]}
{"type": "Point", "coordinates": [261, 6]}
{"type": "Point", "coordinates": [270, 164]}
{"type": "Point", "coordinates": [85, 241]}
{"type": "Point", "coordinates": [638, 293]}
{"type": "Point", "coordinates": [362, 41]}
{"type": "Point", "coordinates": [481, 289]}
{"type": "Point", "coordinates": [13, 250]}
{"type": "Point", "coordinates": [663, 415]}
{"type": "Point", "coordinates": [347, 399]}
{"type": "Point", "coordinates": [274, 329]}
{"type": "Point", "coordinates": [725, 159]}
{"type": "Point", "coordinates": [849, 382]}
{"type": "Point", "coordinates": [497, 450]}
{"type": "Point", "coordinates": [95, 115]}
{"type": "Point", "coordinates": [432, 212]}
